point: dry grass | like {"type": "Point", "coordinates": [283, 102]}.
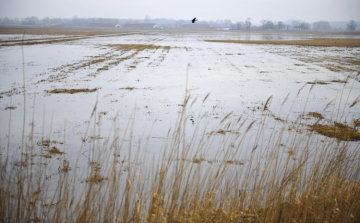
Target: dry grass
{"type": "Point", "coordinates": [316, 115]}
{"type": "Point", "coordinates": [42, 41]}
{"type": "Point", "coordinates": [338, 130]}
{"type": "Point", "coordinates": [317, 82]}
{"type": "Point", "coordinates": [340, 81]}
{"type": "Point", "coordinates": [71, 91]}
{"type": "Point", "coordinates": [47, 142]}
{"type": "Point", "coordinates": [310, 42]}
{"type": "Point", "coordinates": [95, 179]}
{"type": "Point", "coordinates": [55, 150]}
{"type": "Point", "coordinates": [180, 187]}
{"type": "Point", "coordinates": [128, 88]}
{"type": "Point", "coordinates": [197, 160]}
{"type": "Point", "coordinates": [66, 166]}
{"type": "Point", "coordinates": [223, 132]}
{"type": "Point", "coordinates": [10, 108]}
{"type": "Point", "coordinates": [47, 156]}
{"type": "Point", "coordinates": [357, 123]}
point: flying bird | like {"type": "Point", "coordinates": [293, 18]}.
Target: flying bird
{"type": "Point", "coordinates": [194, 19]}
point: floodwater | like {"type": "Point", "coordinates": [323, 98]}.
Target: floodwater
{"type": "Point", "coordinates": [146, 84]}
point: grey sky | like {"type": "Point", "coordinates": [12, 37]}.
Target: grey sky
{"type": "Point", "coordinates": [236, 10]}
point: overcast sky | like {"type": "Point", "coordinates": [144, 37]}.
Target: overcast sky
{"type": "Point", "coordinates": [236, 10]}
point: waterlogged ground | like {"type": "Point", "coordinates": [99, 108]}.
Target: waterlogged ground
{"type": "Point", "coordinates": [82, 94]}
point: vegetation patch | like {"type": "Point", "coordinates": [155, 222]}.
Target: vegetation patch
{"type": "Point", "coordinates": [65, 168]}
{"type": "Point", "coordinates": [95, 179]}
{"type": "Point", "coordinates": [55, 150]}
{"type": "Point", "coordinates": [46, 156]}
{"type": "Point", "coordinates": [197, 160]}
{"type": "Point", "coordinates": [71, 91]}
{"type": "Point", "coordinates": [43, 41]}
{"type": "Point", "coordinates": [339, 81]}
{"type": "Point", "coordinates": [223, 132]}
{"type": "Point", "coordinates": [316, 115]}
{"type": "Point", "coordinates": [338, 130]}
{"type": "Point", "coordinates": [10, 108]}
{"type": "Point", "coordinates": [308, 42]}
{"type": "Point", "coordinates": [47, 142]}
{"type": "Point", "coordinates": [317, 82]}
{"type": "Point", "coordinates": [236, 162]}
{"type": "Point", "coordinates": [357, 123]}
{"type": "Point", "coordinates": [128, 88]}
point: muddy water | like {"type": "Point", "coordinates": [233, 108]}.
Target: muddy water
{"type": "Point", "coordinates": [141, 89]}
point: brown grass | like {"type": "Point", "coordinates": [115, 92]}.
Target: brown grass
{"type": "Point", "coordinates": [55, 150]}
{"type": "Point", "coordinates": [340, 81]}
{"type": "Point", "coordinates": [66, 166]}
{"type": "Point", "coordinates": [95, 179]}
{"type": "Point", "coordinates": [128, 88]}
{"type": "Point", "coordinates": [10, 108]}
{"type": "Point", "coordinates": [316, 115]}
{"type": "Point", "coordinates": [310, 42]}
{"type": "Point", "coordinates": [317, 82]}
{"type": "Point", "coordinates": [43, 41]}
{"type": "Point", "coordinates": [71, 91]}
{"type": "Point", "coordinates": [223, 132]}
{"type": "Point", "coordinates": [46, 156]}
{"type": "Point", "coordinates": [47, 142]}
{"type": "Point", "coordinates": [357, 123]}
{"type": "Point", "coordinates": [198, 160]}
{"type": "Point", "coordinates": [180, 187]}
{"type": "Point", "coordinates": [338, 130]}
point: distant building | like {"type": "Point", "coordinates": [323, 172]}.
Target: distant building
{"type": "Point", "coordinates": [196, 26]}
{"type": "Point", "coordinates": [105, 24]}
{"type": "Point", "coordinates": [141, 25]}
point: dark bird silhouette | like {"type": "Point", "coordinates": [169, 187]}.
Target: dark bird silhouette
{"type": "Point", "coordinates": [194, 19]}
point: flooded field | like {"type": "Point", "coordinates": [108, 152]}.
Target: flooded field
{"type": "Point", "coordinates": [73, 98]}
{"type": "Point", "coordinates": [148, 74]}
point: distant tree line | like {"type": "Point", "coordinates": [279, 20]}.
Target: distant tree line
{"type": "Point", "coordinates": [172, 23]}
{"type": "Point", "coordinates": [272, 25]}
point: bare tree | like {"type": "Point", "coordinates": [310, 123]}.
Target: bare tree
{"type": "Point", "coordinates": [237, 25]}
{"type": "Point", "coordinates": [269, 25]}
{"type": "Point", "coordinates": [280, 25]}
{"type": "Point", "coordinates": [351, 26]}
{"type": "Point", "coordinates": [321, 25]}
{"type": "Point", "coordinates": [147, 18]}
{"type": "Point", "coordinates": [227, 23]}
{"type": "Point", "coordinates": [263, 22]}
{"type": "Point", "coordinates": [248, 23]}
{"type": "Point", "coordinates": [301, 25]}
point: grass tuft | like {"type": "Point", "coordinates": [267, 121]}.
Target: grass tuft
{"type": "Point", "coordinates": [55, 150]}
{"type": "Point", "coordinates": [317, 82]}
{"type": "Point", "coordinates": [338, 130]}
{"type": "Point", "coordinates": [95, 179]}
{"type": "Point", "coordinates": [316, 115]}
{"type": "Point", "coordinates": [356, 123]}
{"type": "Point", "coordinates": [10, 108]}
{"type": "Point", "coordinates": [46, 156]}
{"type": "Point", "coordinates": [71, 91]}
{"type": "Point", "coordinates": [128, 88]}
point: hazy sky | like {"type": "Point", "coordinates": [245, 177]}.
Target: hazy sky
{"type": "Point", "coordinates": [236, 10]}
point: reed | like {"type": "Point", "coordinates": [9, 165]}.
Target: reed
{"type": "Point", "coordinates": [306, 180]}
